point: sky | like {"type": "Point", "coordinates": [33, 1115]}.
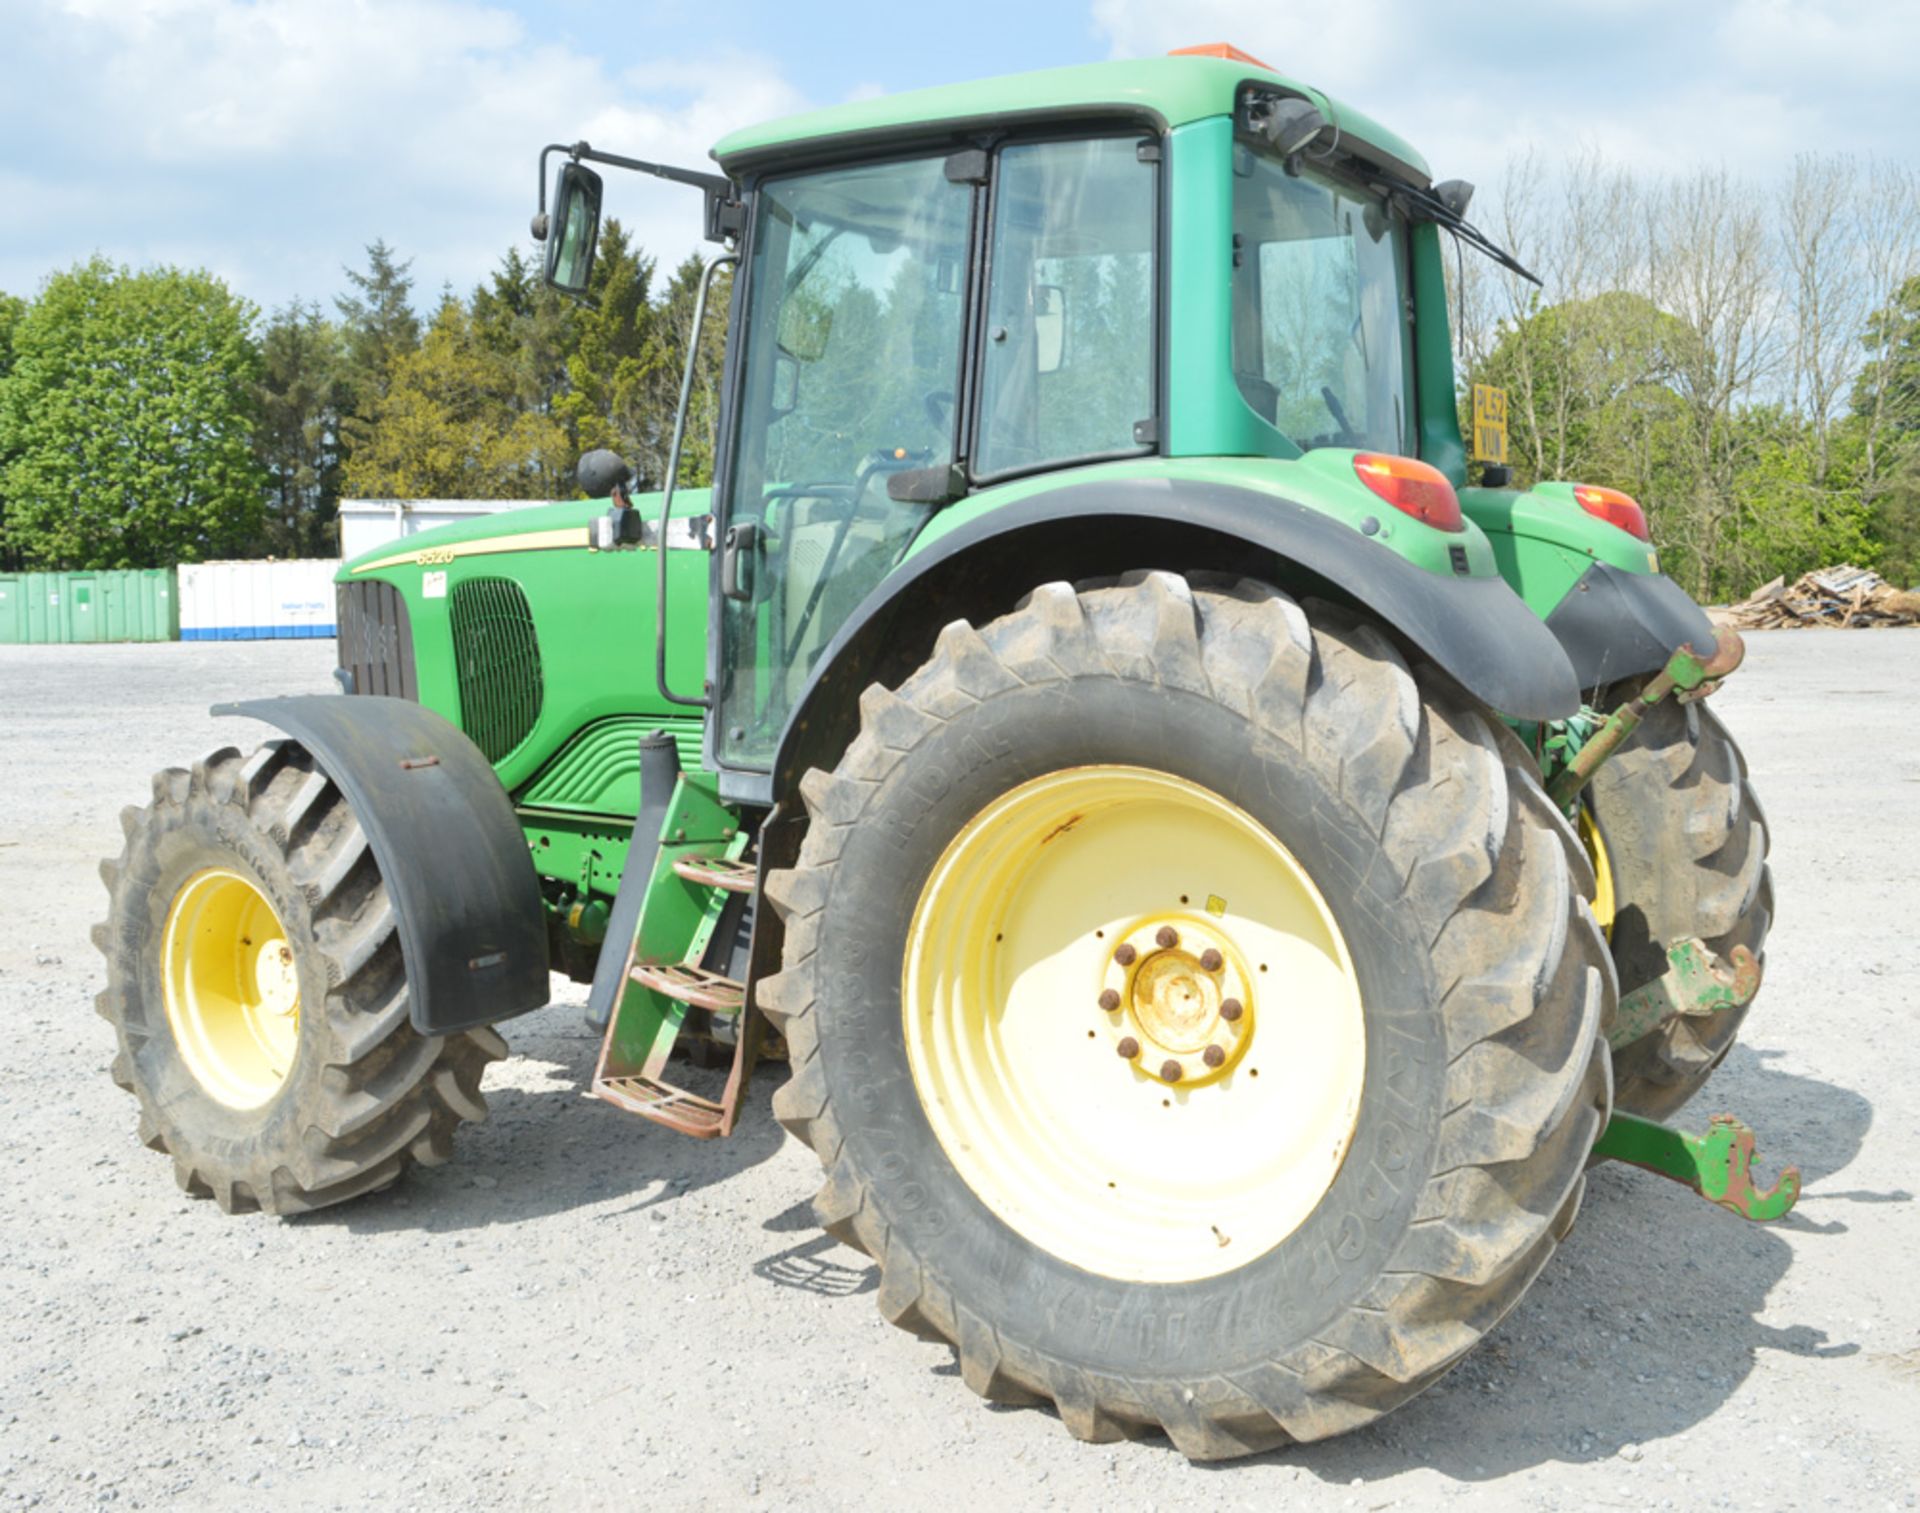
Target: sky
{"type": "Point", "coordinates": [271, 140]}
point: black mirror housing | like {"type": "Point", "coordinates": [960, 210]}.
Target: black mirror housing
{"type": "Point", "coordinates": [601, 473]}
{"type": "Point", "coordinates": [573, 230]}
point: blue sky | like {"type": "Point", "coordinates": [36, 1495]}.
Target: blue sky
{"type": "Point", "coordinates": [270, 140]}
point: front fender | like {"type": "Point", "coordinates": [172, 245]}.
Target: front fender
{"type": "Point", "coordinates": [448, 846]}
{"type": "Point", "coordinates": [1474, 628]}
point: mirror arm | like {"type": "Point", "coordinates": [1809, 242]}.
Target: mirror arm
{"type": "Point", "coordinates": [725, 216]}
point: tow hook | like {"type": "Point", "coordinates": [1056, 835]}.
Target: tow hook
{"type": "Point", "coordinates": [1696, 983]}
{"type": "Point", "coordinates": [1717, 1165]}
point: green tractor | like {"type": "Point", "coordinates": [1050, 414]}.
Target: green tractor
{"type": "Point", "coordinates": [1217, 879]}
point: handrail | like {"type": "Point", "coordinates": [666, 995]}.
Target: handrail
{"type": "Point", "coordinates": [701, 701]}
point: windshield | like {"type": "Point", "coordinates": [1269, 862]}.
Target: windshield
{"type": "Point", "coordinates": [1320, 338]}
{"type": "Point", "coordinates": [851, 358]}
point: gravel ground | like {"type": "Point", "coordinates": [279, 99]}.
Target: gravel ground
{"type": "Point", "coordinates": [585, 1309]}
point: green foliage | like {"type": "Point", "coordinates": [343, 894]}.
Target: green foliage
{"type": "Point", "coordinates": [302, 394]}
{"type": "Point", "coordinates": [449, 425]}
{"type": "Point", "coordinates": [127, 421]}
{"type": "Point", "coordinates": [1610, 390]}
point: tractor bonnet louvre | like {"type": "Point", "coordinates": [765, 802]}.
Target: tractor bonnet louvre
{"type": "Point", "coordinates": [497, 658]}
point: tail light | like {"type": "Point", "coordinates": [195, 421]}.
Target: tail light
{"type": "Point", "coordinates": [1414, 488]}
{"type": "Point", "coordinates": [1613, 507]}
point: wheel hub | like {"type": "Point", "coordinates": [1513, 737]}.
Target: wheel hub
{"type": "Point", "coordinates": [1177, 999]}
{"type": "Point", "coordinates": [231, 988]}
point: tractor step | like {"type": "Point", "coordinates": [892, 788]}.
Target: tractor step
{"type": "Point", "coordinates": [674, 1107]}
{"type": "Point", "coordinates": [690, 984]}
{"type": "Point", "coordinates": [717, 872]}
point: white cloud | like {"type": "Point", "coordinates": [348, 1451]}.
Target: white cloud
{"type": "Point", "coordinates": [271, 141]}
{"type": "Point", "coordinates": [1745, 83]}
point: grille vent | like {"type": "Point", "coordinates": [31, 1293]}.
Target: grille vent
{"type": "Point", "coordinates": [497, 657]}
{"type": "Point", "coordinates": [375, 640]}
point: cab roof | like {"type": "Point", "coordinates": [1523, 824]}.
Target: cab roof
{"type": "Point", "coordinates": [1177, 89]}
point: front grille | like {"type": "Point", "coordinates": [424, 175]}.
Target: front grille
{"type": "Point", "coordinates": [497, 658]}
{"type": "Point", "coordinates": [376, 642]}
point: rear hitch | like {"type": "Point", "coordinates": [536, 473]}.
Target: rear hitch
{"type": "Point", "coordinates": [1686, 676]}
{"type": "Point", "coordinates": [1696, 983]}
{"type": "Point", "coordinates": [1717, 1165]}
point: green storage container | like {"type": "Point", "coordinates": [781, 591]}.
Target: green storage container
{"type": "Point", "coordinates": [124, 605]}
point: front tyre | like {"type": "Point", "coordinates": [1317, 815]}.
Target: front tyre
{"type": "Point", "coordinates": [1195, 1010]}
{"type": "Point", "coordinates": [256, 985]}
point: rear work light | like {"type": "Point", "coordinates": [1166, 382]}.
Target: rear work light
{"type": "Point", "coordinates": [1414, 488]}
{"type": "Point", "coordinates": [1613, 507]}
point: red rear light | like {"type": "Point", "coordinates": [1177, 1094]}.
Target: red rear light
{"type": "Point", "coordinates": [1414, 488]}
{"type": "Point", "coordinates": [1613, 507]}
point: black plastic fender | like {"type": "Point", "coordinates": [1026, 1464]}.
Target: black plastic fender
{"type": "Point", "coordinates": [1614, 624]}
{"type": "Point", "coordinates": [1477, 630]}
{"type": "Point", "coordinates": [448, 844]}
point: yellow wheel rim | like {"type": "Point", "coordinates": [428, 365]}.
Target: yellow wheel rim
{"type": "Point", "coordinates": [231, 989]}
{"type": "Point", "coordinates": [1134, 1024]}
{"type": "Point", "coordinates": [1603, 899]}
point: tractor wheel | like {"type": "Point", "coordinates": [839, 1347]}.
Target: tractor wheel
{"type": "Point", "coordinates": [1681, 845]}
{"type": "Point", "coordinates": [255, 981]}
{"type": "Point", "coordinates": [1195, 1011]}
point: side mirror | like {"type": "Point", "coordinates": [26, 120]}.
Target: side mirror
{"type": "Point", "coordinates": [806, 325]}
{"type": "Point", "coordinates": [1049, 326]}
{"type": "Point", "coordinates": [574, 229]}
{"type": "Point", "coordinates": [603, 474]}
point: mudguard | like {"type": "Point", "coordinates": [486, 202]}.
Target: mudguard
{"type": "Point", "coordinates": [1616, 624]}
{"type": "Point", "coordinates": [1476, 629]}
{"type": "Point", "coordinates": [447, 844]}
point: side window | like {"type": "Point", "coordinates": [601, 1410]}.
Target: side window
{"type": "Point", "coordinates": [1067, 361]}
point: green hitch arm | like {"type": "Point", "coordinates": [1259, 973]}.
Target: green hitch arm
{"type": "Point", "coordinates": [1696, 983]}
{"type": "Point", "coordinates": [1684, 672]}
{"type": "Point", "coordinates": [1717, 1165]}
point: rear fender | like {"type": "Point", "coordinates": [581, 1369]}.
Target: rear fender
{"type": "Point", "coordinates": [1474, 628]}
{"type": "Point", "coordinates": [448, 846]}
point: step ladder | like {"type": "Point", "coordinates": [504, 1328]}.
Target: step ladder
{"type": "Point", "coordinates": [701, 865]}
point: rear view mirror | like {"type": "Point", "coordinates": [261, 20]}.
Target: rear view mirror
{"type": "Point", "coordinates": [786, 386]}
{"type": "Point", "coordinates": [1049, 326]}
{"type": "Point", "coordinates": [575, 229]}
{"type": "Point", "coordinates": [806, 324]}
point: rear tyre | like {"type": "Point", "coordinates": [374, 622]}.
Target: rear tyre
{"type": "Point", "coordinates": [1683, 836]}
{"type": "Point", "coordinates": [1275, 787]}
{"type": "Point", "coordinates": [255, 982]}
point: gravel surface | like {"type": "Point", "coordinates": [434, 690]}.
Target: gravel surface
{"type": "Point", "coordinates": [585, 1309]}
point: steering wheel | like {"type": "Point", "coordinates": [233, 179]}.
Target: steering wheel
{"type": "Point", "coordinates": [938, 404]}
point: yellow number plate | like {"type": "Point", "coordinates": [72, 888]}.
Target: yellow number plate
{"type": "Point", "coordinates": [1489, 424]}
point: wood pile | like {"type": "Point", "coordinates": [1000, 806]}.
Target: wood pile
{"type": "Point", "coordinates": [1844, 597]}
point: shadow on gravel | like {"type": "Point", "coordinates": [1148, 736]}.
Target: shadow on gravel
{"type": "Point", "coordinates": [552, 1149]}
{"type": "Point", "coordinates": [1646, 1322]}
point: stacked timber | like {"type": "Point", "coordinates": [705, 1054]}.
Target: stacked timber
{"type": "Point", "coordinates": [1844, 597]}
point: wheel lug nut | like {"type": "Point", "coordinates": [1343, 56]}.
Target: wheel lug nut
{"type": "Point", "coordinates": [1167, 937]}
{"type": "Point", "coordinates": [1109, 1000]}
{"type": "Point", "coordinates": [1124, 953]}
{"type": "Point", "coordinates": [1128, 1047]}
{"type": "Point", "coordinates": [1211, 960]}
{"type": "Point", "coordinates": [1231, 1009]}
{"type": "Point", "coordinates": [1170, 1070]}
{"type": "Point", "coordinates": [1213, 1055]}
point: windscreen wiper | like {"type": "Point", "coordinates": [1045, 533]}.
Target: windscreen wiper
{"type": "Point", "coordinates": [1446, 210]}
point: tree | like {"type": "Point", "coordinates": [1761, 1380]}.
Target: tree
{"type": "Point", "coordinates": [127, 421]}
{"type": "Point", "coordinates": [301, 393]}
{"type": "Point", "coordinates": [380, 328]}
{"type": "Point", "coordinates": [448, 426]}
{"type": "Point", "coordinates": [1885, 423]}
{"type": "Point", "coordinates": [12, 308]}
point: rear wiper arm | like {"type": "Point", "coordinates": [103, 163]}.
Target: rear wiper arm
{"type": "Point", "coordinates": [1428, 206]}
